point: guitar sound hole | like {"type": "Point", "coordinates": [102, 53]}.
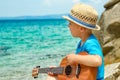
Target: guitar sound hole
{"type": "Point", "coordinates": [68, 70]}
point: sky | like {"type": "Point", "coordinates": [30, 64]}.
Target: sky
{"type": "Point", "coordinates": [13, 8]}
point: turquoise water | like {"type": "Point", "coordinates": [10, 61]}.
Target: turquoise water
{"type": "Point", "coordinates": [26, 44]}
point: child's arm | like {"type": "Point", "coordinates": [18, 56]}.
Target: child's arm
{"type": "Point", "coordinates": [88, 60]}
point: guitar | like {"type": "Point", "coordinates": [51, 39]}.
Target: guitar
{"type": "Point", "coordinates": [72, 72]}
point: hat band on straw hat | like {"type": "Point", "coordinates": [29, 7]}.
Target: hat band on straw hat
{"type": "Point", "coordinates": [81, 22]}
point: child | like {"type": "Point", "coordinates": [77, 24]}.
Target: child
{"type": "Point", "coordinates": [82, 20]}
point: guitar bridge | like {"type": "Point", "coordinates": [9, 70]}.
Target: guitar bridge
{"type": "Point", "coordinates": [78, 70]}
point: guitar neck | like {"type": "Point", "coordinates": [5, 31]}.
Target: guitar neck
{"type": "Point", "coordinates": [56, 70]}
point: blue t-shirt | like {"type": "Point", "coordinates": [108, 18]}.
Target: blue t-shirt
{"type": "Point", "coordinates": [92, 47]}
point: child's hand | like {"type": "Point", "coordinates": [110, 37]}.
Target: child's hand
{"type": "Point", "coordinates": [71, 58]}
{"type": "Point", "coordinates": [51, 73]}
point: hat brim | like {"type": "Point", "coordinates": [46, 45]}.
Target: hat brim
{"type": "Point", "coordinates": [70, 19]}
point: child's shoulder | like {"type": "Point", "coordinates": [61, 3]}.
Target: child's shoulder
{"type": "Point", "coordinates": [92, 41]}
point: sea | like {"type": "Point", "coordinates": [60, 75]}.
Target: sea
{"type": "Point", "coordinates": [25, 44]}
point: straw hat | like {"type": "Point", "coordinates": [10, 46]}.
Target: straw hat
{"type": "Point", "coordinates": [83, 15]}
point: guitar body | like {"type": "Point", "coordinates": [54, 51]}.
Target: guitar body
{"type": "Point", "coordinates": [85, 72]}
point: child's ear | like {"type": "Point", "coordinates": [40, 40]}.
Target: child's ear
{"type": "Point", "coordinates": [82, 29]}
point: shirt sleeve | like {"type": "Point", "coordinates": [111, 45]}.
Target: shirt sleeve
{"type": "Point", "coordinates": [93, 49]}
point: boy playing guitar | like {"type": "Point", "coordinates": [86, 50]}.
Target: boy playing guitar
{"type": "Point", "coordinates": [89, 57]}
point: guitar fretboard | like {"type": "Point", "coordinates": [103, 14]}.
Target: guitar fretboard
{"type": "Point", "coordinates": [56, 70]}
